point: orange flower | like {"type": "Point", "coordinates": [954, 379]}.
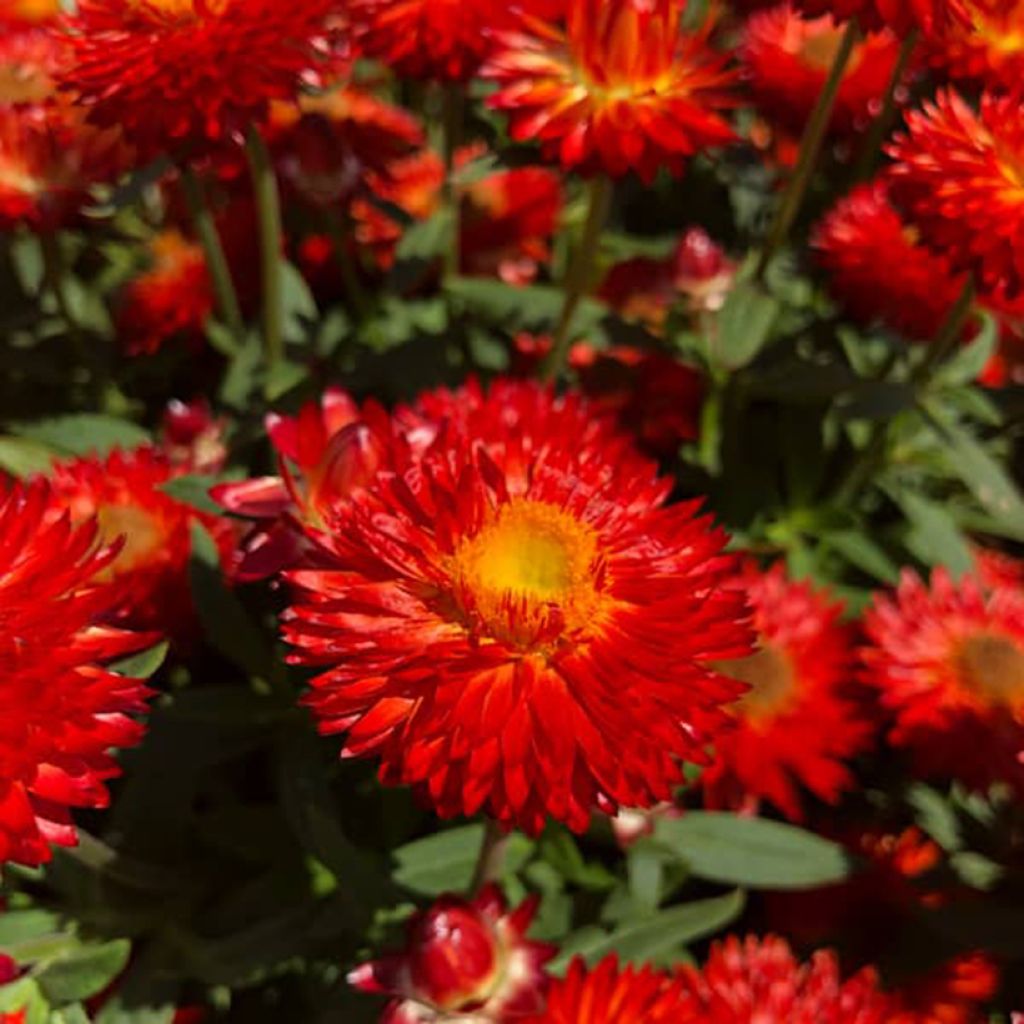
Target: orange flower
{"type": "Point", "coordinates": [63, 708]}
{"type": "Point", "coordinates": [948, 664]}
{"type": "Point", "coordinates": [180, 76]}
{"type": "Point", "coordinates": [960, 177]}
{"type": "Point", "coordinates": [984, 44]}
{"type": "Point", "coordinates": [787, 59]}
{"type": "Point", "coordinates": [123, 493]}
{"type": "Point", "coordinates": [495, 597]}
{"type": "Point", "coordinates": [619, 89]}
{"type": "Point", "coordinates": [19, 13]}
{"type": "Point", "coordinates": [608, 994]}
{"type": "Point", "coordinates": [445, 40]}
{"type": "Point", "coordinates": [952, 993]}
{"type": "Point", "coordinates": [29, 58]}
{"type": "Point", "coordinates": [797, 726]}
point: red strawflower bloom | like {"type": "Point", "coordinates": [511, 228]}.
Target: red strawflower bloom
{"type": "Point", "coordinates": [172, 299]}
{"type": "Point", "coordinates": [180, 76]}
{"type": "Point", "coordinates": [21, 13]}
{"type": "Point", "coordinates": [29, 58]}
{"type": "Point", "coordinates": [787, 59]}
{"type": "Point", "coordinates": [984, 44]}
{"type": "Point", "coordinates": [122, 491]}
{"type": "Point", "coordinates": [63, 709]}
{"type": "Point", "coordinates": [697, 276]}
{"type": "Point", "coordinates": [797, 727]}
{"type": "Point", "coordinates": [608, 994]}
{"type": "Point", "coordinates": [462, 958]}
{"type": "Point", "coordinates": [445, 40]}
{"type": "Point", "coordinates": [49, 160]}
{"type": "Point", "coordinates": [878, 268]}
{"type": "Point", "coordinates": [960, 177]}
{"type": "Point", "coordinates": [948, 664]}
{"type": "Point", "coordinates": [759, 981]}
{"type": "Point", "coordinates": [494, 599]}
{"type": "Point", "coordinates": [901, 16]}
{"type": "Point", "coordinates": [325, 453]}
{"type": "Point", "coordinates": [620, 89]}
{"type": "Point", "coordinates": [953, 993]}
{"type": "Point", "coordinates": [192, 438]}
{"type": "Point", "coordinates": [997, 569]}
{"type": "Point", "coordinates": [17, 1017]}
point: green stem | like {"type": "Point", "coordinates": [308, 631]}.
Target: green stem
{"type": "Point", "coordinates": [268, 212]}
{"type": "Point", "coordinates": [340, 233]}
{"type": "Point", "coordinates": [213, 251]}
{"type": "Point", "coordinates": [872, 456]}
{"type": "Point", "coordinates": [579, 273]}
{"type": "Point", "coordinates": [810, 148]}
{"type": "Point", "coordinates": [491, 858]}
{"type": "Point", "coordinates": [452, 123]}
{"type": "Point", "coordinates": [882, 125]}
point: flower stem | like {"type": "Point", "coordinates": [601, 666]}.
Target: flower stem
{"type": "Point", "coordinates": [882, 124]}
{"type": "Point", "coordinates": [216, 261]}
{"type": "Point", "coordinates": [872, 456]}
{"type": "Point", "coordinates": [452, 122]}
{"type": "Point", "coordinates": [491, 858]}
{"type": "Point", "coordinates": [268, 212]}
{"type": "Point", "coordinates": [578, 274]}
{"type": "Point", "coordinates": [339, 231]}
{"type": "Point", "coordinates": [810, 148]}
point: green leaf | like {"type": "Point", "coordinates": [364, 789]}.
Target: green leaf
{"type": "Point", "coordinates": [82, 433]}
{"type": "Point", "coordinates": [74, 1014]}
{"type": "Point", "coordinates": [877, 400]}
{"type": "Point", "coordinates": [24, 995]}
{"type": "Point", "coordinates": [20, 925]}
{"type": "Point", "coordinates": [444, 862]}
{"type": "Point", "coordinates": [21, 457]}
{"type": "Point", "coordinates": [968, 362]}
{"type": "Point", "coordinates": [226, 623]}
{"type": "Point", "coordinates": [298, 305]}
{"type": "Point", "coordinates": [657, 937]}
{"type": "Point", "coordinates": [934, 537]}
{"type": "Point", "coordinates": [935, 814]}
{"type": "Point", "coordinates": [863, 553]}
{"type": "Point", "coordinates": [744, 325]}
{"type": "Point", "coordinates": [194, 490]}
{"type": "Point", "coordinates": [144, 664]}
{"type": "Point", "coordinates": [426, 239]}
{"type": "Point", "coordinates": [753, 852]}
{"type": "Point", "coordinates": [83, 973]}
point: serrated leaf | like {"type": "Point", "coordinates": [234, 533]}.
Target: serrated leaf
{"type": "Point", "coordinates": [657, 935]}
{"type": "Point", "coordinates": [752, 852]}
{"type": "Point", "coordinates": [444, 862]}
{"type": "Point", "coordinates": [743, 325]}
{"type": "Point", "coordinates": [83, 433]}
{"type": "Point", "coordinates": [83, 973]}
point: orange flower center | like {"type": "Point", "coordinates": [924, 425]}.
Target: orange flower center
{"type": "Point", "coordinates": [36, 10]}
{"type": "Point", "coordinates": [769, 673]}
{"type": "Point", "coordinates": [819, 50]}
{"type": "Point", "coordinates": [15, 178]}
{"type": "Point", "coordinates": [23, 83]}
{"type": "Point", "coordinates": [992, 667]}
{"type": "Point", "coordinates": [185, 10]}
{"type": "Point", "coordinates": [143, 537]}
{"type": "Point", "coordinates": [530, 574]}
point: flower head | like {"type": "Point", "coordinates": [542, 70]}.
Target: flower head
{"type": "Point", "coordinates": [123, 493]}
{"type": "Point", "coordinates": [797, 726]}
{"type": "Point", "coordinates": [952, 993]}
{"type": "Point", "coordinates": [608, 994]}
{"type": "Point", "coordinates": [64, 709]}
{"type": "Point", "coordinates": [463, 958]}
{"type": "Point", "coordinates": [620, 89]}
{"type": "Point", "coordinates": [959, 175]}
{"type": "Point", "coordinates": [760, 980]}
{"type": "Point", "coordinates": [496, 595]}
{"type": "Point", "coordinates": [182, 76]}
{"type": "Point", "coordinates": [984, 44]}
{"type": "Point", "coordinates": [29, 59]}
{"type": "Point", "coordinates": [787, 59]}
{"type": "Point", "coordinates": [900, 16]}
{"type": "Point", "coordinates": [948, 664]}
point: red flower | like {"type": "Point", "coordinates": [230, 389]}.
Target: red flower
{"type": "Point", "coordinates": [29, 58]}
{"type": "Point", "coordinates": [759, 981]}
{"type": "Point", "coordinates": [180, 76]}
{"type": "Point", "coordinates": [331, 448]}
{"type": "Point", "coordinates": [950, 994]}
{"type": "Point", "coordinates": [797, 727]}
{"type": "Point", "coordinates": [997, 569]}
{"type": "Point", "coordinates": [496, 596]}
{"type": "Point", "coordinates": [21, 13]}
{"type": "Point", "coordinates": [697, 276]}
{"type": "Point", "coordinates": [192, 438]}
{"type": "Point", "coordinates": [619, 89]}
{"type": "Point", "coordinates": [948, 664]}
{"type": "Point", "coordinates": [984, 44]}
{"type": "Point", "coordinates": [446, 40]}
{"type": "Point", "coordinates": [63, 708]}
{"type": "Point", "coordinates": [123, 493]}
{"type": "Point", "coordinates": [787, 59]}
{"type": "Point", "coordinates": [608, 994]}
{"type": "Point", "coordinates": [173, 299]}
{"type": "Point", "coordinates": [49, 160]}
{"type": "Point", "coordinates": [958, 175]}
{"type": "Point", "coordinates": [901, 16]}
{"type": "Point", "coordinates": [464, 958]}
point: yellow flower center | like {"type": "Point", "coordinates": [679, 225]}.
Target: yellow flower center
{"type": "Point", "coordinates": [992, 667]}
{"type": "Point", "coordinates": [185, 10]}
{"type": "Point", "coordinates": [36, 10]}
{"type": "Point", "coordinates": [772, 680]}
{"type": "Point", "coordinates": [819, 50]}
{"type": "Point", "coordinates": [531, 572]}
{"type": "Point", "coordinates": [143, 537]}
{"type": "Point", "coordinates": [23, 83]}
